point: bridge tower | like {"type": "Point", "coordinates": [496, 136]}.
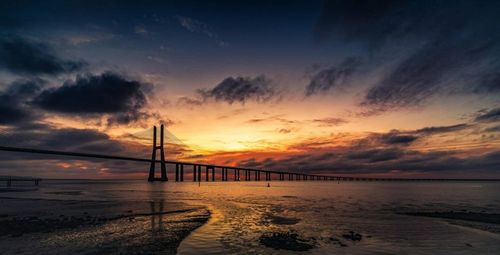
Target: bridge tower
{"type": "Point", "coordinates": [163, 176]}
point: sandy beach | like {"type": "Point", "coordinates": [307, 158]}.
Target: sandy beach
{"type": "Point", "coordinates": [48, 226]}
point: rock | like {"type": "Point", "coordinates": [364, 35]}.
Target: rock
{"type": "Point", "coordinates": [338, 242]}
{"type": "Point", "coordinates": [285, 241]}
{"type": "Point", "coordinates": [353, 236]}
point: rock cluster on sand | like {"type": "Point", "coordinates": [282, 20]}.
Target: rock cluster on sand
{"type": "Point", "coordinates": [285, 241]}
{"type": "Point", "coordinates": [353, 236]}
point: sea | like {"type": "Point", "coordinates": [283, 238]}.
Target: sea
{"type": "Point", "coordinates": [314, 217]}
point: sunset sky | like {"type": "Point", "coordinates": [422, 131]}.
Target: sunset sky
{"type": "Point", "coordinates": [378, 88]}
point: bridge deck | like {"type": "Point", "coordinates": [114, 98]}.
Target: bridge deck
{"type": "Point", "coordinates": [210, 174]}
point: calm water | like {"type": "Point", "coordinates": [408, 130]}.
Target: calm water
{"type": "Point", "coordinates": [321, 212]}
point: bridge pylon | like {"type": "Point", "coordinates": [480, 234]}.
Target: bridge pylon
{"type": "Point", "coordinates": [163, 167]}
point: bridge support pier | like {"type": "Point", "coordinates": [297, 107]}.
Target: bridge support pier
{"type": "Point", "coordinates": [268, 176]}
{"type": "Point", "coordinates": [206, 173]}
{"type": "Point", "coordinates": [194, 173]}
{"type": "Point", "coordinates": [163, 167]}
{"type": "Point", "coordinates": [176, 172]}
{"type": "Point", "coordinates": [182, 173]}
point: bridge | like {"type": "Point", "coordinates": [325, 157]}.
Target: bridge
{"type": "Point", "coordinates": [207, 172]}
{"type": "Point", "coordinates": [10, 180]}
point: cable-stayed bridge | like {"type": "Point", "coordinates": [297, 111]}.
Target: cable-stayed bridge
{"type": "Point", "coordinates": [207, 172]}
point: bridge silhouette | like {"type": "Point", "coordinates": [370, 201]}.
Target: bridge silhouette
{"type": "Point", "coordinates": [238, 173]}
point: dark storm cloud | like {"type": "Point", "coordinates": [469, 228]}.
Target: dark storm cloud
{"type": "Point", "coordinates": [323, 80]}
{"type": "Point", "coordinates": [66, 139]}
{"type": "Point", "coordinates": [107, 93]}
{"type": "Point", "coordinates": [22, 56]}
{"type": "Point", "coordinates": [13, 107]}
{"type": "Point", "coordinates": [241, 89]}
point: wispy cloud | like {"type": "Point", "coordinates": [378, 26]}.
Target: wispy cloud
{"type": "Point", "coordinates": [449, 48]}
{"type": "Point", "coordinates": [330, 122]}
{"type": "Point", "coordinates": [140, 30]}
{"type": "Point", "coordinates": [196, 26]}
{"type": "Point", "coordinates": [323, 80]}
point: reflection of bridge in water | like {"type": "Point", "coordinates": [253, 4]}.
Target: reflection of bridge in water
{"type": "Point", "coordinates": [227, 173]}
{"type": "Point", "coordinates": [156, 215]}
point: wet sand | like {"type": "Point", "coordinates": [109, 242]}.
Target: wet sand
{"type": "Point", "coordinates": [136, 217]}
{"type": "Point", "coordinates": [489, 222]}
{"type": "Point", "coordinates": [43, 226]}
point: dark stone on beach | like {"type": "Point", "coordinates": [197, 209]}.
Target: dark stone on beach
{"type": "Point", "coordinates": [285, 241]}
{"type": "Point", "coordinates": [338, 242]}
{"type": "Point", "coordinates": [468, 244]}
{"type": "Point", "coordinates": [353, 236]}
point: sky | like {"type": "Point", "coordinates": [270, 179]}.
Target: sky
{"type": "Point", "coordinates": [367, 88]}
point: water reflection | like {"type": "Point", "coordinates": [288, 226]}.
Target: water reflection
{"type": "Point", "coordinates": [156, 215]}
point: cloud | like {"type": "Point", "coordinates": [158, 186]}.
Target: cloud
{"type": "Point", "coordinates": [489, 116]}
{"type": "Point", "coordinates": [65, 139]}
{"type": "Point", "coordinates": [427, 71]}
{"type": "Point", "coordinates": [329, 122]}
{"type": "Point", "coordinates": [358, 19]}
{"type": "Point", "coordinates": [107, 93]}
{"type": "Point", "coordinates": [189, 101]}
{"type": "Point", "coordinates": [274, 118]}
{"type": "Point", "coordinates": [284, 131]}
{"type": "Point", "coordinates": [196, 26]}
{"type": "Point", "coordinates": [443, 129]}
{"type": "Point", "coordinates": [449, 48]}
{"type": "Point", "coordinates": [323, 80]}
{"type": "Point", "coordinates": [22, 56]}
{"type": "Point", "coordinates": [396, 138]}
{"type": "Point", "coordinates": [13, 107]}
{"type": "Point", "coordinates": [375, 155]}
{"type": "Point", "coordinates": [140, 30]}
{"type": "Point", "coordinates": [355, 160]}
{"type": "Point", "coordinates": [493, 129]}
{"type": "Point", "coordinates": [68, 139]}
{"type": "Point", "coordinates": [487, 83]}
{"type": "Point", "coordinates": [241, 89]}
